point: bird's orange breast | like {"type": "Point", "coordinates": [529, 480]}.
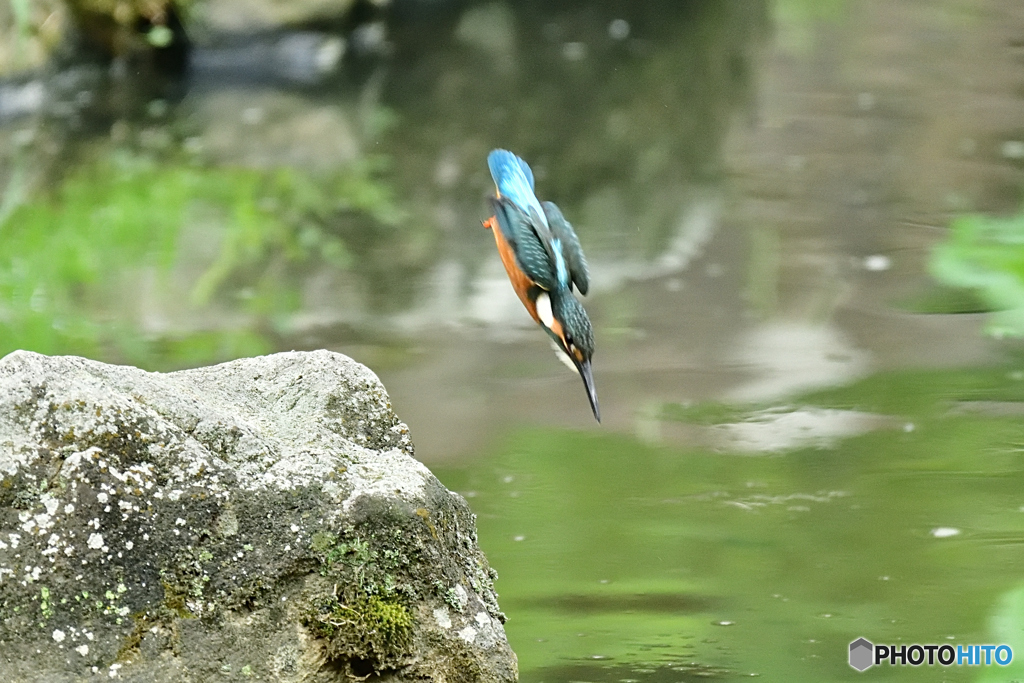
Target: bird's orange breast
{"type": "Point", "coordinates": [521, 282]}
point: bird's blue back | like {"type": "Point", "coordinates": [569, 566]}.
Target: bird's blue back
{"type": "Point", "coordinates": [514, 180]}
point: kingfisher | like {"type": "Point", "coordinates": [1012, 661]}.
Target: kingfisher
{"type": "Point", "coordinates": [544, 261]}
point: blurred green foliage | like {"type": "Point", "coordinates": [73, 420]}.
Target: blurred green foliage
{"type": "Point", "coordinates": [1007, 627]}
{"type": "Point", "coordinates": [985, 255]}
{"type": "Point", "coordinates": [795, 21]}
{"type": "Point", "coordinates": [22, 11]}
{"type": "Point", "coordinates": [75, 261]}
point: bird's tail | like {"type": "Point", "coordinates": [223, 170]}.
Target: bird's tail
{"type": "Point", "coordinates": [506, 166]}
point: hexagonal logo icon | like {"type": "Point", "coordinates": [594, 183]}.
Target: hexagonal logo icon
{"type": "Point", "coordinates": [861, 654]}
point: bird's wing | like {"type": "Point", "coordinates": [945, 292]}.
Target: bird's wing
{"type": "Point", "coordinates": [514, 180]}
{"type": "Point", "coordinates": [570, 247]}
{"type": "Point", "coordinates": [518, 230]}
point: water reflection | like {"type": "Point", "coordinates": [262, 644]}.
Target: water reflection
{"type": "Point", "coordinates": [757, 185]}
{"type": "Point", "coordinates": [356, 222]}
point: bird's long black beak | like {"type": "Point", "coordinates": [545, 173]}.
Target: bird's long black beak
{"type": "Point", "coordinates": [588, 382]}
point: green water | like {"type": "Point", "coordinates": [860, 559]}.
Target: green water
{"type": "Point", "coordinates": [621, 561]}
{"type": "Point", "coordinates": [773, 198]}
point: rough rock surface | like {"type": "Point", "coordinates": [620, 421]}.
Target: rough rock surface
{"type": "Point", "coordinates": [261, 519]}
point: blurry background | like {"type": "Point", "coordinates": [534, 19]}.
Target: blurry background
{"type": "Point", "coordinates": [802, 220]}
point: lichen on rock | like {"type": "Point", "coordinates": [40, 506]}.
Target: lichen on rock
{"type": "Point", "coordinates": [260, 518]}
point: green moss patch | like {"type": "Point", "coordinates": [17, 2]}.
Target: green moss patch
{"type": "Point", "coordinates": [372, 628]}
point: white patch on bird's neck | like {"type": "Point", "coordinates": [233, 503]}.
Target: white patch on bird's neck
{"type": "Point", "coordinates": [564, 358]}
{"type": "Point", "coordinates": [547, 318]}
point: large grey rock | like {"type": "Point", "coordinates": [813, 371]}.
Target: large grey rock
{"type": "Point", "coordinates": [263, 518]}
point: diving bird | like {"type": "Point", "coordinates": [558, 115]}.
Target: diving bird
{"type": "Point", "coordinates": [544, 261]}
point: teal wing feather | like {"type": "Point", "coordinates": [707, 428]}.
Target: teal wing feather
{"type": "Point", "coordinates": [572, 252]}
{"type": "Point", "coordinates": [514, 180]}
{"type": "Point", "coordinates": [519, 232]}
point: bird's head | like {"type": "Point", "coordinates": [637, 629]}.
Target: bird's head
{"type": "Point", "coordinates": [568, 325]}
